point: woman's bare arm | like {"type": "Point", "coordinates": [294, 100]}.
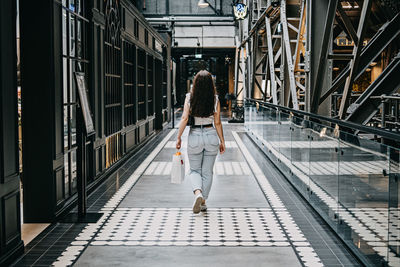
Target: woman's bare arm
{"type": "Point", "coordinates": [182, 125]}
{"type": "Point", "coordinates": [218, 127]}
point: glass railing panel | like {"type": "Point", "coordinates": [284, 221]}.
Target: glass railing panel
{"type": "Point", "coordinates": [268, 131]}
{"type": "Point", "coordinates": [285, 135]}
{"type": "Point", "coordinates": [352, 182]}
{"type": "Point", "coordinates": [246, 116]}
{"type": "Point", "coordinates": [258, 120]}
{"type": "Point", "coordinates": [394, 208]}
{"type": "Point", "coordinates": [283, 144]}
{"type": "Point", "coordinates": [299, 160]}
{"type": "Point", "coordinates": [323, 171]}
{"type": "Point", "coordinates": [266, 120]}
{"type": "Point", "coordinates": [363, 196]}
{"type": "Point", "coordinates": [249, 116]}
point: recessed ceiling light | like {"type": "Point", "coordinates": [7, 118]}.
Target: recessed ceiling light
{"type": "Point", "coordinates": [203, 4]}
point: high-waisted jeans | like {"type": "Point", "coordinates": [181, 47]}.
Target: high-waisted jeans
{"type": "Point", "coordinates": [202, 149]}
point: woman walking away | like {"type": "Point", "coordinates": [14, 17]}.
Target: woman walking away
{"type": "Point", "coordinates": [203, 106]}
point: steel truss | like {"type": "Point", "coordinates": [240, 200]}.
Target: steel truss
{"type": "Point", "coordinates": [275, 53]}
{"type": "Point", "coordinates": [275, 61]}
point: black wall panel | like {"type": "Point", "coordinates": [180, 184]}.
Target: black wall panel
{"type": "Point", "coordinates": [115, 47]}
{"type": "Point", "coordinates": [12, 218]}
{"type": "Point", "coordinates": [11, 244]}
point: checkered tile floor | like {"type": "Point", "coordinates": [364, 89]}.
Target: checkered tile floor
{"type": "Point", "coordinates": [385, 225]}
{"type": "Point", "coordinates": [269, 226]}
{"type": "Point", "coordinates": [174, 226]}
{"type": "Point", "coordinates": [342, 168]}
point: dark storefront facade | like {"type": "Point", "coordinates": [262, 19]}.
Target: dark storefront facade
{"type": "Point", "coordinates": [10, 228]}
{"type": "Point", "coordinates": [127, 70]}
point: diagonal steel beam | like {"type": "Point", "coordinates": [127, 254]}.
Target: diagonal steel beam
{"type": "Point", "coordinates": [347, 23]}
{"type": "Point", "coordinates": [366, 10]}
{"type": "Point", "coordinates": [338, 28]}
{"type": "Point", "coordinates": [262, 60]}
{"type": "Point", "coordinates": [256, 25]}
{"type": "Point", "coordinates": [289, 57]}
{"type": "Point", "coordinates": [300, 36]}
{"type": "Point", "coordinates": [386, 34]}
{"type": "Point", "coordinates": [260, 88]}
{"type": "Point", "coordinates": [271, 61]}
{"type": "Point", "coordinates": [365, 107]}
{"type": "Point", "coordinates": [320, 74]}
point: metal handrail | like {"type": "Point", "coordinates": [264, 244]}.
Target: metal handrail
{"type": "Point", "coordinates": [383, 97]}
{"type": "Point", "coordinates": [345, 124]}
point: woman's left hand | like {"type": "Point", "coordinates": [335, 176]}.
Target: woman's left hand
{"type": "Point", "coordinates": [222, 147]}
{"type": "Point", "coordinates": [178, 143]}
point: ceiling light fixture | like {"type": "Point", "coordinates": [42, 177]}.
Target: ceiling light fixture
{"type": "Point", "coordinates": [203, 4]}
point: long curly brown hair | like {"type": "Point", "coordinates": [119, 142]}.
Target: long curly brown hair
{"type": "Point", "coordinates": [202, 98]}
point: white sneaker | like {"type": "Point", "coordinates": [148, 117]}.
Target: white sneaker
{"type": "Point", "coordinates": [203, 207]}
{"type": "Point", "coordinates": [197, 203]}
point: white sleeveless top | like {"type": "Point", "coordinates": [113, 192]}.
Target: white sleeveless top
{"type": "Point", "coordinates": [203, 120]}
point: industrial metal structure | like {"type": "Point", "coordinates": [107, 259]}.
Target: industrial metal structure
{"type": "Point", "coordinates": [309, 98]}
{"type": "Point", "coordinates": [334, 58]}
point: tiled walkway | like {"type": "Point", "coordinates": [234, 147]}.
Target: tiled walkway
{"type": "Point", "coordinates": [254, 218]}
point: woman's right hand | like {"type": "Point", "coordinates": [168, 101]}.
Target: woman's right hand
{"type": "Point", "coordinates": [178, 143]}
{"type": "Point", "coordinates": [222, 147]}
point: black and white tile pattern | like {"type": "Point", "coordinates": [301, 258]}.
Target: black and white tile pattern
{"type": "Point", "coordinates": [293, 232]}
{"type": "Point", "coordinates": [234, 227]}
{"type": "Point", "coordinates": [180, 227]}
{"type": "Point", "coordinates": [83, 239]}
{"type": "Point", "coordinates": [342, 168]}
{"type": "Point", "coordinates": [368, 228]}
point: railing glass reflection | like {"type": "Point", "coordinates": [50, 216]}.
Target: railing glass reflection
{"type": "Point", "coordinates": [352, 182]}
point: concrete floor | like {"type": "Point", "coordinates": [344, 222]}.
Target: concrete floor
{"type": "Point", "coordinates": [255, 218]}
{"type": "Point", "coordinates": [188, 256]}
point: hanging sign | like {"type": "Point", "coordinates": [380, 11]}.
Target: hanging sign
{"type": "Point", "coordinates": [84, 101]}
{"type": "Point", "coordinates": [240, 11]}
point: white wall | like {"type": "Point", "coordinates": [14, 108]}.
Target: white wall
{"type": "Point", "coordinates": [207, 36]}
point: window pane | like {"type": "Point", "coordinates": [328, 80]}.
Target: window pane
{"type": "Point", "coordinates": [66, 135]}
{"type": "Point", "coordinates": [79, 38]}
{"type": "Point", "coordinates": [66, 175]}
{"type": "Point", "coordinates": [73, 171]}
{"type": "Point", "coordinates": [72, 36]}
{"type": "Point", "coordinates": [64, 31]}
{"type": "Point", "coordinates": [65, 80]}
{"type": "Point", "coordinates": [78, 7]}
{"type": "Point", "coordinates": [73, 84]}
{"type": "Point", "coordinates": [73, 125]}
